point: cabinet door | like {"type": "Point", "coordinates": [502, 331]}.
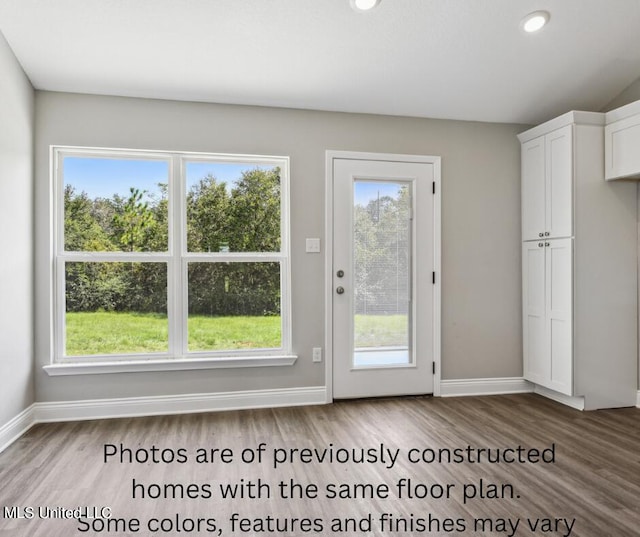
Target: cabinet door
{"type": "Point", "coordinates": [621, 142]}
{"type": "Point", "coordinates": [537, 364]}
{"type": "Point", "coordinates": [559, 313]}
{"type": "Point", "coordinates": [559, 183]}
{"type": "Point", "coordinates": [533, 187]}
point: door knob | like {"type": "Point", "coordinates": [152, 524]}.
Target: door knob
{"type": "Point", "coordinates": [340, 290]}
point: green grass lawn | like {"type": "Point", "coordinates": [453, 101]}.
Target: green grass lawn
{"type": "Point", "coordinates": [381, 330]}
{"type": "Point", "coordinates": [224, 333]}
{"type": "Point", "coordinates": [125, 333]}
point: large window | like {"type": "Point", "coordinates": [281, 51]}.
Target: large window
{"type": "Point", "coordinates": [169, 256]}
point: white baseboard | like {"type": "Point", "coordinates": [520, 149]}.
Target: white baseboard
{"type": "Point", "coordinates": [177, 404]}
{"type": "Point", "coordinates": [187, 404]}
{"type": "Point", "coordinates": [16, 427]}
{"type": "Point", "coordinates": [487, 386]}
{"type": "Point", "coordinates": [638, 399]}
{"type": "Point", "coordinates": [158, 405]}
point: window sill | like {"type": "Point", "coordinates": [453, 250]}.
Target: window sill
{"type": "Point", "coordinates": [144, 366]}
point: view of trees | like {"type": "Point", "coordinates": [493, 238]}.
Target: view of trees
{"type": "Point", "coordinates": [382, 246]}
{"type": "Point", "coordinates": [239, 216]}
{"type": "Point", "coordinates": [243, 218]}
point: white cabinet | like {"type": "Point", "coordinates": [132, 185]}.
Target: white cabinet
{"type": "Point", "coordinates": [579, 256]}
{"type": "Point", "coordinates": [622, 143]}
{"type": "Point", "coordinates": [533, 189]}
{"type": "Point", "coordinates": [546, 185]}
{"type": "Point", "coordinates": [547, 308]}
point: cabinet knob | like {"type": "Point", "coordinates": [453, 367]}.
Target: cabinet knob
{"type": "Point", "coordinates": [546, 244]}
{"type": "Point", "coordinates": [546, 233]}
{"type": "Point", "coordinates": [540, 244]}
{"type": "Point", "coordinates": [540, 234]}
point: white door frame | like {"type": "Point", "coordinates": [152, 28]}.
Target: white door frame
{"type": "Point", "coordinates": [331, 155]}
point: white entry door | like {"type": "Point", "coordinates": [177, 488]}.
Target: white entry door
{"type": "Point", "coordinates": [384, 307]}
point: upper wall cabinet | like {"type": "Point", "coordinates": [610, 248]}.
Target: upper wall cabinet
{"type": "Point", "coordinates": [622, 143]}
{"type": "Point", "coordinates": [546, 185]}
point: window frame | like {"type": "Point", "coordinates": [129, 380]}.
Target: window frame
{"type": "Point", "coordinates": [177, 260]}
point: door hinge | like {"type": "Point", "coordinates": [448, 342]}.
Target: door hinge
{"type": "Point", "coordinates": [433, 367]}
{"type": "Point", "coordinates": [434, 187]}
{"type": "Point", "coordinates": [433, 277]}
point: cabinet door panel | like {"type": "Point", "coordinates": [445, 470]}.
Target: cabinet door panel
{"type": "Point", "coordinates": [559, 306]}
{"type": "Point", "coordinates": [533, 185]}
{"type": "Point", "coordinates": [559, 184]}
{"type": "Point", "coordinates": [537, 366]}
{"type": "Point", "coordinates": [621, 142]}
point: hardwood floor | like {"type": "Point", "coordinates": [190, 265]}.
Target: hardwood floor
{"type": "Point", "coordinates": [590, 489]}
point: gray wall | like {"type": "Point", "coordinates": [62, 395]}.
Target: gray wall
{"type": "Point", "coordinates": [16, 237]}
{"type": "Point", "coordinates": [629, 95]}
{"type": "Point", "coordinates": [481, 297]}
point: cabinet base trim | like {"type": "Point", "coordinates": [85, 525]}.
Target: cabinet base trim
{"type": "Point", "coordinates": [638, 399]}
{"type": "Point", "coordinates": [487, 386]}
{"type": "Point", "coordinates": [573, 402]}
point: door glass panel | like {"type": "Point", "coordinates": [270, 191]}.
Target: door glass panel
{"type": "Point", "coordinates": [382, 273]}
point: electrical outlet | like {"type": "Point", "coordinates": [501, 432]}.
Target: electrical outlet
{"type": "Point", "coordinates": [317, 354]}
{"type": "Point", "coordinates": [313, 246]}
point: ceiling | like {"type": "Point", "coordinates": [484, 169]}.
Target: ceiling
{"type": "Point", "coordinates": [454, 59]}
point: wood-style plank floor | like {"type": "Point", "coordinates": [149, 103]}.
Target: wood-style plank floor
{"type": "Point", "coordinates": [592, 489]}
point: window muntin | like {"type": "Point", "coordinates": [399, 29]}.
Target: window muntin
{"type": "Point", "coordinates": [157, 234]}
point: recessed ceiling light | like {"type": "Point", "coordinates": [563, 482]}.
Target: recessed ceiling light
{"type": "Point", "coordinates": [364, 5]}
{"type": "Point", "coordinates": [534, 22]}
